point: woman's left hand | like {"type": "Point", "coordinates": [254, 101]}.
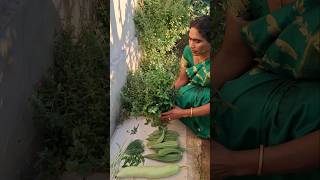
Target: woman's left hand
{"type": "Point", "coordinates": [173, 114]}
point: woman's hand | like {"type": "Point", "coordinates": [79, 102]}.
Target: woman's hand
{"type": "Point", "coordinates": [223, 162]}
{"type": "Point", "coordinates": [173, 114]}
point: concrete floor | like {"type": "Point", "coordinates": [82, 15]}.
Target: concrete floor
{"type": "Point", "coordinates": [73, 176]}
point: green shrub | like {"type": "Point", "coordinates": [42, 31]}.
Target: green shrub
{"type": "Point", "coordinates": [102, 20]}
{"type": "Point", "coordinates": [148, 93]}
{"type": "Point", "coordinates": [70, 107]}
{"type": "Point", "coordinates": [199, 8]}
{"type": "Point", "coordinates": [218, 9]}
{"type": "Point", "coordinates": [159, 24]}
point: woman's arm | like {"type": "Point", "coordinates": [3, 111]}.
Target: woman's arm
{"type": "Point", "coordinates": [182, 78]}
{"type": "Point", "coordinates": [234, 57]}
{"type": "Point", "coordinates": [177, 112]}
{"type": "Point", "coordinates": [294, 156]}
{"type": "Point", "coordinates": [197, 111]}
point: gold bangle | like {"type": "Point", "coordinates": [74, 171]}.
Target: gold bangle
{"type": "Point", "coordinates": [260, 160]}
{"type": "Point", "coordinates": [191, 112]}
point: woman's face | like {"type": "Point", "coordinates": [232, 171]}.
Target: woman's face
{"type": "Point", "coordinates": [198, 44]}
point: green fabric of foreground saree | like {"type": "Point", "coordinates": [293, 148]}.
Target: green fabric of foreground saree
{"type": "Point", "coordinates": [279, 99]}
{"type": "Point", "coordinates": [267, 109]}
{"type": "Point", "coordinates": [287, 41]}
{"type": "Point", "coordinates": [196, 93]}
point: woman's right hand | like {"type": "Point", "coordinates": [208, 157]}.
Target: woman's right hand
{"type": "Point", "coordinates": [173, 114]}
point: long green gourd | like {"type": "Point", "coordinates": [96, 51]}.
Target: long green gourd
{"type": "Point", "coordinates": [166, 151]}
{"type": "Point", "coordinates": [166, 144]}
{"type": "Point", "coordinates": [153, 172]}
{"type": "Point", "coordinates": [173, 157]}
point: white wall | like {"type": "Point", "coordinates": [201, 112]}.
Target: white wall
{"type": "Point", "coordinates": [124, 53]}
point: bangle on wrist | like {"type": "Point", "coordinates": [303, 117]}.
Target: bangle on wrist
{"type": "Point", "coordinates": [191, 112]}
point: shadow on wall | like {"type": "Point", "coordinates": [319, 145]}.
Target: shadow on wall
{"type": "Point", "coordinates": [26, 51]}
{"type": "Point", "coordinates": [124, 52]}
{"type": "Point", "coordinates": [122, 40]}
{"type": "Point", "coordinates": [74, 12]}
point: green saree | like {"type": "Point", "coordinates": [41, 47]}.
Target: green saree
{"type": "Point", "coordinates": [196, 93]}
{"type": "Point", "coordinates": [287, 41]}
{"type": "Point", "coordinates": [279, 99]}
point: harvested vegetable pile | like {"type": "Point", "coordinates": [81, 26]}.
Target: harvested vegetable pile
{"type": "Point", "coordinates": [128, 157]}
{"type": "Point", "coordinates": [166, 146]}
{"type": "Point", "coordinates": [133, 154]}
{"type": "Point", "coordinates": [166, 149]}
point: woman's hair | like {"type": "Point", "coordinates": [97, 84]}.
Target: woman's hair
{"type": "Point", "coordinates": [203, 24]}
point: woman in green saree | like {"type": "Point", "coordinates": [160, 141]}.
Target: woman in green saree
{"type": "Point", "coordinates": [193, 83]}
{"type": "Point", "coordinates": [271, 128]}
